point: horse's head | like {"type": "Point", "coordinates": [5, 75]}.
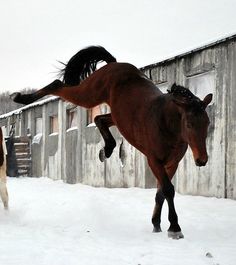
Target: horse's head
{"type": "Point", "coordinates": [194, 121]}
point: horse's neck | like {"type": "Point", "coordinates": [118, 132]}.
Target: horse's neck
{"type": "Point", "coordinates": [172, 117]}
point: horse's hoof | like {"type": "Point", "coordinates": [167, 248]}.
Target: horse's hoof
{"type": "Point", "coordinates": [175, 235]}
{"type": "Point", "coordinates": [156, 230]}
{"type": "Point", "coordinates": [102, 156]}
{"type": "Point", "coordinates": [15, 96]}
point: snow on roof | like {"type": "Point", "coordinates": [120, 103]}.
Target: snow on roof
{"type": "Point", "coordinates": [32, 105]}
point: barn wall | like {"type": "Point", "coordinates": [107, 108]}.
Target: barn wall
{"type": "Point", "coordinates": [230, 121]}
{"type": "Point", "coordinates": [71, 154]}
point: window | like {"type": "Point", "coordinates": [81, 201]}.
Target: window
{"type": "Point", "coordinates": [17, 128]}
{"type": "Point", "coordinates": [53, 124]}
{"type": "Point", "coordinates": [38, 125]}
{"type": "Point", "coordinates": [98, 110]}
{"type": "Point", "coordinates": [71, 118]}
{"type": "Point", "coordinates": [202, 84]}
{"type": "Point", "coordinates": [92, 113]}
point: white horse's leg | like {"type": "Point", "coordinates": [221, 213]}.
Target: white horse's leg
{"type": "Point", "coordinates": [3, 187]}
{"type": "Point", "coordinates": [4, 194]}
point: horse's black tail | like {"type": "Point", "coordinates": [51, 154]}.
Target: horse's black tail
{"type": "Point", "coordinates": [83, 63]}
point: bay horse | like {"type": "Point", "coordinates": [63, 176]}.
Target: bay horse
{"type": "Point", "coordinates": [159, 125]}
{"type": "Point", "coordinates": [3, 179]}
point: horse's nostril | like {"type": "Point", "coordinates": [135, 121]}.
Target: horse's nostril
{"type": "Point", "coordinates": [200, 163]}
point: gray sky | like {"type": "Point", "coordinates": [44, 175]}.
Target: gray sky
{"type": "Point", "coordinates": [37, 33]}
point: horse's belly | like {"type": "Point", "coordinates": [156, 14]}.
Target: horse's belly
{"type": "Point", "coordinates": [132, 132]}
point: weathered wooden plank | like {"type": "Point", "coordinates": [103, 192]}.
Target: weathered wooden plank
{"type": "Point", "coordinates": [22, 149]}
{"type": "Point", "coordinates": [21, 143]}
{"type": "Point", "coordinates": [26, 167]}
{"type": "Point", "coordinates": [22, 139]}
{"type": "Point", "coordinates": [23, 156]}
{"type": "Point", "coordinates": [23, 162]}
{"type": "Point", "coordinates": [24, 172]}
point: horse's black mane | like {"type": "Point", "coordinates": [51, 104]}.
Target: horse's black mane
{"type": "Point", "coordinates": [184, 93]}
{"type": "Point", "coordinates": [84, 63]}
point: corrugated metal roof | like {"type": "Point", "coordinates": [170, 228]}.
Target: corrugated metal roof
{"type": "Point", "coordinates": [209, 45]}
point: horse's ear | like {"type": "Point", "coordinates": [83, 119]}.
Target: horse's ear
{"type": "Point", "coordinates": [173, 86]}
{"type": "Point", "coordinates": [207, 100]}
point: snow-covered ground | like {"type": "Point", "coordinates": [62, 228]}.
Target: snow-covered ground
{"type": "Point", "coordinates": [53, 223]}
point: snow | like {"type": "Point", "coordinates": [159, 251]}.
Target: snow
{"type": "Point", "coordinates": [74, 128]}
{"type": "Point", "coordinates": [53, 223]}
{"type": "Point", "coordinates": [37, 138]}
{"type": "Point", "coordinates": [92, 124]}
{"type": "Point", "coordinates": [53, 134]}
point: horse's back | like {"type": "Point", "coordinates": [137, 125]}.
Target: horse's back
{"type": "Point", "coordinates": [124, 80]}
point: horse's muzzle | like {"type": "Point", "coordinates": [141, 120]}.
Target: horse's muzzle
{"type": "Point", "coordinates": [200, 163]}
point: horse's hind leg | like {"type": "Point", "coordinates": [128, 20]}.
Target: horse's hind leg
{"type": "Point", "coordinates": [3, 187]}
{"type": "Point", "coordinates": [50, 89]}
{"type": "Point", "coordinates": [103, 122]}
{"type": "Point", "coordinates": [4, 194]}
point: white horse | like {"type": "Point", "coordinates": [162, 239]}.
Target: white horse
{"type": "Point", "coordinates": [3, 178]}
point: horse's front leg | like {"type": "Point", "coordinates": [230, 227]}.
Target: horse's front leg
{"type": "Point", "coordinates": [156, 217]}
{"type": "Point", "coordinates": [174, 230]}
{"type": "Point", "coordinates": [168, 191]}
{"type": "Point", "coordinates": [103, 122]}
